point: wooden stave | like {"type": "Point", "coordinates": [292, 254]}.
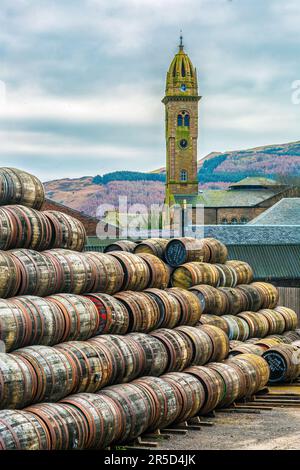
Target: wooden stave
{"type": "Point", "coordinates": [21, 188]}
{"type": "Point", "coordinates": [219, 340]}
{"type": "Point", "coordinates": [179, 348]}
{"type": "Point", "coordinates": [114, 316]}
{"type": "Point", "coordinates": [105, 422]}
{"type": "Point", "coordinates": [213, 387]}
{"type": "Point", "coordinates": [52, 369]}
{"type": "Point", "coordinates": [18, 382]}
{"type": "Point", "coordinates": [218, 251]}
{"type": "Point", "coordinates": [155, 246]}
{"type": "Point", "coordinates": [202, 346]}
{"type": "Point", "coordinates": [165, 401]}
{"type": "Point", "coordinates": [191, 309]}
{"type": "Point", "coordinates": [21, 430]}
{"type": "Point", "coordinates": [290, 317]}
{"type": "Point", "coordinates": [159, 272]}
{"type": "Point", "coordinates": [191, 391]}
{"type": "Point", "coordinates": [192, 250]}
{"type": "Point", "coordinates": [113, 279]}
{"type": "Point", "coordinates": [134, 404]}
{"type": "Point", "coordinates": [169, 307]}
{"type": "Point", "coordinates": [232, 382]}
{"type": "Point", "coordinates": [216, 320]}
{"type": "Point", "coordinates": [66, 425]}
{"type": "Point", "coordinates": [155, 352]}
{"type": "Point", "coordinates": [193, 274]}
{"type": "Point", "coordinates": [136, 271]}
{"type": "Point", "coordinates": [67, 231]}
{"type": "Point", "coordinates": [121, 245]}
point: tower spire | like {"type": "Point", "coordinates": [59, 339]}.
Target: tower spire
{"type": "Point", "coordinates": [181, 43]}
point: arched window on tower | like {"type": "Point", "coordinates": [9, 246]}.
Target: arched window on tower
{"type": "Point", "coordinates": [183, 175]}
{"type": "Point", "coordinates": [179, 120]}
{"type": "Point", "coordinates": [186, 120]}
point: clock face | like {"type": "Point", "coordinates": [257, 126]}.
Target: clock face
{"type": "Point", "coordinates": [182, 87]}
{"type": "Point", "coordinates": [183, 143]}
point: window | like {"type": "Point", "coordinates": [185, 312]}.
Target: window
{"type": "Point", "coordinates": [234, 221]}
{"type": "Point", "coordinates": [183, 175]}
{"type": "Point", "coordinates": [244, 220]}
{"type": "Point", "coordinates": [187, 120]}
{"type": "Point", "coordinates": [183, 119]}
{"type": "Point", "coordinates": [224, 221]}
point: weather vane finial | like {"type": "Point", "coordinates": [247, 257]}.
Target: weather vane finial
{"type": "Point", "coordinates": [181, 43]}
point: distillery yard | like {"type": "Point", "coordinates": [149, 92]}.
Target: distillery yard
{"type": "Point", "coordinates": [276, 429]}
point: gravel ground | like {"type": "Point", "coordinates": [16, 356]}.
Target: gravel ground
{"type": "Point", "coordinates": [277, 429]}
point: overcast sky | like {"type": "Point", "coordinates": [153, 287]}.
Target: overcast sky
{"type": "Point", "coordinates": [82, 80]}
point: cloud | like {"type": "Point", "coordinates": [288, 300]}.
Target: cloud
{"type": "Point", "coordinates": [84, 79]}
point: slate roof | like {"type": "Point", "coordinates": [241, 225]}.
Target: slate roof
{"type": "Point", "coordinates": [255, 182]}
{"type": "Point", "coordinates": [232, 198]}
{"type": "Point", "coordinates": [284, 212]}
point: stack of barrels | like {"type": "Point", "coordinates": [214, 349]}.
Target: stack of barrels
{"type": "Point", "coordinates": [101, 347]}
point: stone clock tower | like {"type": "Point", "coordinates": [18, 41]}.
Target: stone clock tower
{"type": "Point", "coordinates": [181, 104]}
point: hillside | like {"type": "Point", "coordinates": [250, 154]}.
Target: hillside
{"type": "Point", "coordinates": [216, 170]}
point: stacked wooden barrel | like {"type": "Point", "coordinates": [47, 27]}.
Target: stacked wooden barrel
{"type": "Point", "coordinates": [101, 347]}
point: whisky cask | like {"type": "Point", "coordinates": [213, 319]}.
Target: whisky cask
{"type": "Point", "coordinates": [132, 401]}
{"type": "Point", "coordinates": [218, 252]}
{"type": "Point", "coordinates": [213, 384]}
{"type": "Point", "coordinates": [153, 246]}
{"type": "Point", "coordinates": [144, 314]}
{"type": "Point", "coordinates": [238, 327]}
{"type": "Point", "coordinates": [219, 341]}
{"type": "Point", "coordinates": [67, 231]}
{"type": "Point", "coordinates": [80, 315]}
{"type": "Point", "coordinates": [232, 381]}
{"type": "Point", "coordinates": [190, 393]}
{"type": "Point", "coordinates": [105, 421]}
{"type": "Point", "coordinates": [65, 423]}
{"type": "Point", "coordinates": [194, 274]}
{"type": "Point", "coordinates": [53, 371]}
{"type": "Point", "coordinates": [236, 300]}
{"type": "Point", "coordinates": [158, 270]}
{"type": "Point", "coordinates": [134, 356]}
{"type": "Point", "coordinates": [250, 375]}
{"type": "Point", "coordinates": [28, 320]}
{"type": "Point", "coordinates": [179, 348]}
{"type": "Point", "coordinates": [215, 320]}
{"type": "Point", "coordinates": [110, 361]}
{"type": "Point", "coordinates": [20, 187]}
{"type": "Point", "coordinates": [202, 346]}
{"type": "Point", "coordinates": [213, 301]}
{"type": "Point", "coordinates": [291, 335]}
{"type": "Point", "coordinates": [258, 324]}
{"type": "Point", "coordinates": [113, 315]}
{"type": "Point", "coordinates": [121, 245]}
{"type": "Point", "coordinates": [227, 275]}
{"type": "Point", "coordinates": [156, 356]}
{"type": "Point", "coordinates": [184, 250]}
{"type": "Point", "coordinates": [107, 274]}
{"type": "Point", "coordinates": [268, 293]}
{"type": "Point", "coordinates": [168, 305]}
{"type": "Point", "coordinates": [246, 348]}
{"type": "Point", "coordinates": [21, 430]}
{"type": "Point", "coordinates": [136, 271]}
{"type": "Point", "coordinates": [290, 317]}
{"type": "Point", "coordinates": [253, 297]}
{"type": "Point", "coordinates": [190, 306]}
{"type": "Point", "coordinates": [74, 272]}
{"type": "Point", "coordinates": [284, 363]}
{"type": "Point", "coordinates": [23, 227]}
{"type": "Point", "coordinates": [91, 366]}
{"type": "Point", "coordinates": [165, 405]}
{"type": "Point", "coordinates": [18, 382]}
{"type": "Point", "coordinates": [243, 271]}
{"type": "Point", "coordinates": [38, 273]}
{"type": "Point", "coordinates": [275, 320]}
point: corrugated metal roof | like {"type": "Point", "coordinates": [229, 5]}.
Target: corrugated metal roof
{"type": "Point", "coordinates": [269, 261]}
